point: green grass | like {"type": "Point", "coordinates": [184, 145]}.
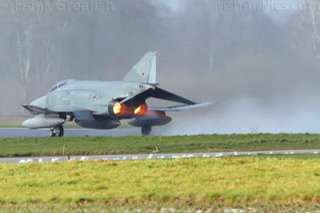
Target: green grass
{"type": "Point", "coordinates": [155, 207]}
{"type": "Point", "coordinates": [138, 144]}
{"type": "Point", "coordinates": [264, 183]}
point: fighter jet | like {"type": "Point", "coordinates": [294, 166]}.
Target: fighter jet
{"type": "Point", "coordinates": [103, 104]}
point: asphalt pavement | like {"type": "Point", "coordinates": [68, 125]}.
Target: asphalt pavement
{"type": "Point", "coordinates": [23, 132]}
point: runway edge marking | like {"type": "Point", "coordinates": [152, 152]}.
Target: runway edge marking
{"type": "Point", "coordinates": [54, 159]}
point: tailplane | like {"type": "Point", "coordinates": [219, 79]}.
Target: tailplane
{"type": "Point", "coordinates": [145, 71]}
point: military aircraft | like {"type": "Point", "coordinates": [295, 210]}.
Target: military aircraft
{"type": "Point", "coordinates": [102, 104]}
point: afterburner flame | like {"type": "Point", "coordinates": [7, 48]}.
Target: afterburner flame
{"type": "Point", "coordinates": [141, 110]}
{"type": "Point", "coordinates": [117, 108]}
{"type": "Point", "coordinates": [122, 110]}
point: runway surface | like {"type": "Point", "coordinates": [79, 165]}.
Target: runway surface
{"type": "Point", "coordinates": [22, 132]}
{"type": "Point", "coordinates": [19, 160]}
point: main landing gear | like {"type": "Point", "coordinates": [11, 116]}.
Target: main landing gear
{"type": "Point", "coordinates": [146, 130]}
{"type": "Point", "coordinates": [57, 131]}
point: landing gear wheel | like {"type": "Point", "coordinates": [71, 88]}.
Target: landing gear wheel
{"type": "Point", "coordinates": [52, 133]}
{"type": "Point", "coordinates": [56, 131]}
{"type": "Point", "coordinates": [60, 131]}
{"type": "Point", "coordinates": [146, 130]}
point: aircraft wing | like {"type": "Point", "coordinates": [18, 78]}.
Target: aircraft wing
{"type": "Point", "coordinates": [79, 114]}
{"type": "Point", "coordinates": [138, 98]}
{"type": "Point", "coordinates": [165, 95]}
{"type": "Point", "coordinates": [180, 107]}
{"type": "Point", "coordinates": [37, 110]}
{"type": "Point", "coordinates": [154, 92]}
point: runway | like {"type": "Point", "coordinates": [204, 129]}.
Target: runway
{"type": "Point", "coordinates": [22, 132]}
{"type": "Point", "coordinates": [20, 160]}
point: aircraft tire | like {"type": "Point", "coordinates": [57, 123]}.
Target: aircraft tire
{"type": "Point", "coordinates": [146, 130]}
{"type": "Point", "coordinates": [60, 133]}
{"type": "Point", "coordinates": [52, 133]}
{"type": "Point", "coordinates": [56, 131]}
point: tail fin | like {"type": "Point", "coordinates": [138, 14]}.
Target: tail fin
{"type": "Point", "coordinates": [145, 71]}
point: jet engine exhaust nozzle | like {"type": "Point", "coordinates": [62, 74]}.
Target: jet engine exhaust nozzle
{"type": "Point", "coordinates": [123, 111]}
{"type": "Point", "coordinates": [141, 110]}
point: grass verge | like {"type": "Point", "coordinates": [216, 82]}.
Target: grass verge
{"type": "Point", "coordinates": [140, 145]}
{"type": "Point", "coordinates": [263, 183]}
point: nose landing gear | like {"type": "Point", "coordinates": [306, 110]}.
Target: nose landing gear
{"type": "Point", "coordinates": [57, 131]}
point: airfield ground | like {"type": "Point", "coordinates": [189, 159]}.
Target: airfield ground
{"type": "Point", "coordinates": [265, 183]}
{"type": "Point", "coordinates": [262, 183]}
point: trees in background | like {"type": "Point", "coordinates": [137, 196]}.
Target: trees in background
{"type": "Point", "coordinates": [222, 53]}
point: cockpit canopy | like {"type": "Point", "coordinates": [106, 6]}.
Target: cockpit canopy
{"type": "Point", "coordinates": [60, 84]}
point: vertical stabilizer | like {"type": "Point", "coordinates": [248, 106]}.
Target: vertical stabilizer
{"type": "Point", "coordinates": [145, 71]}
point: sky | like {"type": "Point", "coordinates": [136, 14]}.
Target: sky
{"type": "Point", "coordinates": [282, 10]}
{"type": "Point", "coordinates": [279, 10]}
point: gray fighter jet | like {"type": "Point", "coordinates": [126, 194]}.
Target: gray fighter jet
{"type": "Point", "coordinates": [102, 104]}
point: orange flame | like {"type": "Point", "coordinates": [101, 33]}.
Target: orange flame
{"type": "Point", "coordinates": [141, 110]}
{"type": "Point", "coordinates": [121, 110]}
{"type": "Point", "coordinates": [117, 108]}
